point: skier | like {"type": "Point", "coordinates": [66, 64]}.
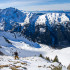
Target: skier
{"type": "Point", "coordinates": [16, 55]}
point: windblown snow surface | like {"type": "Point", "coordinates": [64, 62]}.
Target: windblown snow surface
{"type": "Point", "coordinates": [29, 53]}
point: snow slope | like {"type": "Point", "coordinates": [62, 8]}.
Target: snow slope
{"type": "Point", "coordinates": [28, 63]}
{"type": "Point", "coordinates": [17, 43]}
{"type": "Point", "coordinates": [27, 48]}
{"type": "Point", "coordinates": [41, 20]}
{"type": "Point", "coordinates": [63, 54]}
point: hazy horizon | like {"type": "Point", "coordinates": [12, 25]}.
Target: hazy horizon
{"type": "Point", "coordinates": [37, 5]}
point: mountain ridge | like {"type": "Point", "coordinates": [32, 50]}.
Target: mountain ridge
{"type": "Point", "coordinates": [36, 25]}
{"type": "Point", "coordinates": [11, 17]}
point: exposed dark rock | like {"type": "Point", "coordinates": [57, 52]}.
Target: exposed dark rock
{"type": "Point", "coordinates": [1, 53]}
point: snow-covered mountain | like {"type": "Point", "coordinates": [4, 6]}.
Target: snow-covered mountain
{"type": "Point", "coordinates": [23, 31]}
{"type": "Point", "coordinates": [43, 26]}
{"type": "Point", "coordinates": [11, 17]}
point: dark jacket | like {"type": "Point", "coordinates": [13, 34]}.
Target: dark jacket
{"type": "Point", "coordinates": [16, 53]}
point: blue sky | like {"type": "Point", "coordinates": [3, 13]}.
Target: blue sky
{"type": "Point", "coordinates": [33, 5]}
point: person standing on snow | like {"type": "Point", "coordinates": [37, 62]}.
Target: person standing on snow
{"type": "Point", "coordinates": [16, 55]}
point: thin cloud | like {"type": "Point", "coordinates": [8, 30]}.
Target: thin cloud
{"type": "Point", "coordinates": [65, 6]}
{"type": "Point", "coordinates": [21, 2]}
{"type": "Point", "coordinates": [16, 3]}
{"type": "Point", "coordinates": [28, 5]}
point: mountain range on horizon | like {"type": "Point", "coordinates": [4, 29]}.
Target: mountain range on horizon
{"type": "Point", "coordinates": [53, 25]}
{"type": "Point", "coordinates": [12, 15]}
